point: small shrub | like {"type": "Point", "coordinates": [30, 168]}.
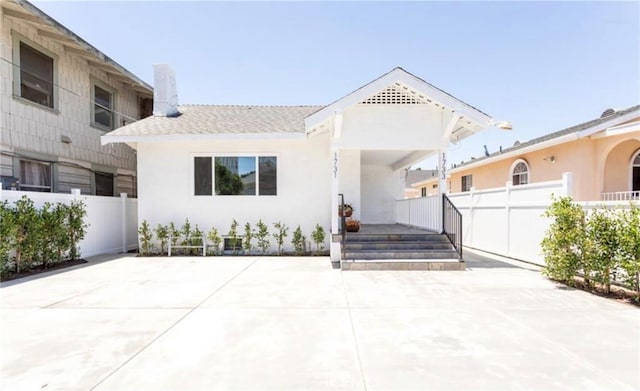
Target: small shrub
{"type": "Point", "coordinates": [174, 233]}
{"type": "Point", "coordinates": [162, 233]}
{"type": "Point", "coordinates": [77, 228]}
{"type": "Point", "coordinates": [8, 230]}
{"type": "Point", "coordinates": [234, 239]}
{"type": "Point", "coordinates": [603, 243]}
{"type": "Point", "coordinates": [299, 241]}
{"type": "Point", "coordinates": [214, 240]}
{"type": "Point", "coordinates": [145, 236]}
{"type": "Point", "coordinates": [248, 236]}
{"type": "Point", "coordinates": [27, 232]}
{"type": "Point", "coordinates": [262, 236]}
{"type": "Point", "coordinates": [318, 237]}
{"type": "Point", "coordinates": [629, 224]}
{"type": "Point", "coordinates": [54, 239]}
{"type": "Point", "coordinates": [197, 239]}
{"type": "Point", "coordinates": [280, 235]}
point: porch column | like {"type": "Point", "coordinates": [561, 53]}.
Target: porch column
{"type": "Point", "coordinates": [334, 247]}
{"type": "Point", "coordinates": [442, 171]}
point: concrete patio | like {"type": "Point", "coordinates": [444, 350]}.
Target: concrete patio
{"type": "Point", "coordinates": [295, 323]}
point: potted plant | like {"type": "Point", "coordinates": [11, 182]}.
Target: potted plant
{"type": "Point", "coordinates": [352, 225]}
{"type": "Point", "coordinates": [348, 210]}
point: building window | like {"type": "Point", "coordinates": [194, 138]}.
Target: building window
{"type": "Point", "coordinates": [519, 173]}
{"type": "Point", "coordinates": [467, 182]}
{"type": "Point", "coordinates": [36, 76]}
{"type": "Point", "coordinates": [35, 176]}
{"type": "Point", "coordinates": [236, 175]}
{"type": "Point", "coordinates": [434, 186]}
{"type": "Point", "coordinates": [104, 184]}
{"type": "Point", "coordinates": [423, 191]}
{"type": "Point", "coordinates": [102, 113]}
{"type": "Point", "coordinates": [635, 172]}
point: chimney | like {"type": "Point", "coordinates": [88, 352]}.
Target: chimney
{"type": "Point", "coordinates": [165, 94]}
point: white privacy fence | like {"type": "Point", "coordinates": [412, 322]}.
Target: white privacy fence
{"type": "Point", "coordinates": [112, 221]}
{"type": "Point", "coordinates": [510, 220]}
{"type": "Point", "coordinates": [423, 212]}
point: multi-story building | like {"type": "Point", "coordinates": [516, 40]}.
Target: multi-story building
{"type": "Point", "coordinates": [59, 94]}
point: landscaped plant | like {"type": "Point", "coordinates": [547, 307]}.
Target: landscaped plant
{"type": "Point", "coordinates": [347, 212]}
{"type": "Point", "coordinates": [248, 236]}
{"type": "Point", "coordinates": [262, 236]}
{"type": "Point", "coordinates": [564, 244]}
{"type": "Point", "coordinates": [280, 235]}
{"type": "Point", "coordinates": [318, 237]}
{"type": "Point", "coordinates": [603, 246]}
{"type": "Point", "coordinates": [214, 240]}
{"type": "Point", "coordinates": [299, 242]}
{"type": "Point", "coordinates": [54, 239]}
{"type": "Point", "coordinates": [27, 232]}
{"type": "Point", "coordinates": [145, 236]}
{"type": "Point", "coordinates": [174, 233]}
{"type": "Point", "coordinates": [234, 239]}
{"type": "Point", "coordinates": [197, 239]}
{"type": "Point", "coordinates": [629, 224]}
{"type": "Point", "coordinates": [77, 228]}
{"type": "Point", "coordinates": [8, 230]}
{"type": "Point", "coordinates": [162, 233]}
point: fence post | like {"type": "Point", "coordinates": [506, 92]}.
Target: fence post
{"type": "Point", "coordinates": [567, 184]}
{"type": "Point", "coordinates": [123, 203]}
{"type": "Point", "coordinates": [75, 193]}
{"type": "Point", "coordinates": [507, 208]}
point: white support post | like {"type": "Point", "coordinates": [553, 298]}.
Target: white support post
{"type": "Point", "coordinates": [472, 195]}
{"type": "Point", "coordinates": [507, 210]}
{"type": "Point", "coordinates": [75, 193]}
{"type": "Point", "coordinates": [123, 199]}
{"type": "Point", "coordinates": [442, 171]}
{"type": "Point", "coordinates": [335, 189]}
{"type": "Point", "coordinates": [567, 184]}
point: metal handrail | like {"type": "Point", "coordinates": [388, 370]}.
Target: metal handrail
{"type": "Point", "coordinates": [343, 231]}
{"type": "Point", "coordinates": [452, 224]}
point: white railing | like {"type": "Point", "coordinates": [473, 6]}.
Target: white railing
{"type": "Point", "coordinates": [620, 196]}
{"type": "Point", "coordinates": [112, 221]}
{"type": "Point", "coordinates": [423, 212]}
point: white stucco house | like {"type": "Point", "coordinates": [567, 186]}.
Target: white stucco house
{"type": "Point", "coordinates": [294, 161]}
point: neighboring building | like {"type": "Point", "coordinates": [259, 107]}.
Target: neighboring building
{"type": "Point", "coordinates": [288, 164]}
{"type": "Point", "coordinates": [603, 154]}
{"type": "Point", "coordinates": [419, 175]}
{"type": "Point", "coordinates": [59, 95]}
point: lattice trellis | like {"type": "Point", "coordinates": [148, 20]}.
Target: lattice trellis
{"type": "Point", "coordinates": [395, 94]}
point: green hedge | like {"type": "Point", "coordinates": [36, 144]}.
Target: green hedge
{"type": "Point", "coordinates": [603, 246]}
{"type": "Point", "coordinates": [31, 237]}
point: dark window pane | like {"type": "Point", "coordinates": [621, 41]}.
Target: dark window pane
{"type": "Point", "coordinates": [104, 184]}
{"type": "Point", "coordinates": [636, 179]}
{"type": "Point", "coordinates": [235, 175]}
{"type": "Point", "coordinates": [102, 109]}
{"type": "Point", "coordinates": [36, 76]}
{"type": "Point", "coordinates": [268, 172]}
{"type": "Point", "coordinates": [202, 176]}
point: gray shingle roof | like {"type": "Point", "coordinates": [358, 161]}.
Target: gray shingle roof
{"type": "Point", "coordinates": [210, 119]}
{"type": "Point", "coordinates": [559, 133]}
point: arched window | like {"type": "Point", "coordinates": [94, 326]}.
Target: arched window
{"type": "Point", "coordinates": [519, 173]}
{"type": "Point", "coordinates": [635, 172]}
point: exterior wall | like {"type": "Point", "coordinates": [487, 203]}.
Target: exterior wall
{"type": "Point", "coordinates": [378, 127]}
{"type": "Point", "coordinates": [28, 128]}
{"type": "Point", "coordinates": [586, 158]}
{"type": "Point", "coordinates": [380, 188]}
{"type": "Point", "coordinates": [349, 180]}
{"type": "Point", "coordinates": [166, 190]}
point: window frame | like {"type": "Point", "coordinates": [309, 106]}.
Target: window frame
{"type": "Point", "coordinates": [634, 156]}
{"type": "Point", "coordinates": [30, 186]}
{"type": "Point", "coordinates": [107, 88]}
{"type": "Point", "coordinates": [17, 69]}
{"type": "Point", "coordinates": [468, 182]}
{"type": "Point", "coordinates": [512, 169]}
{"type": "Point", "coordinates": [213, 157]}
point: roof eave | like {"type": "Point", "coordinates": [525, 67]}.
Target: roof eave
{"type": "Point", "coordinates": [115, 138]}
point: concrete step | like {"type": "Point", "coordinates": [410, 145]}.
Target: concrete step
{"type": "Point", "coordinates": [396, 237]}
{"type": "Point", "coordinates": [399, 245]}
{"type": "Point", "coordinates": [400, 254]}
{"type": "Point", "coordinates": [403, 265]}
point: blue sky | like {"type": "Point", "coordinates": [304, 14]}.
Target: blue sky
{"type": "Point", "coordinates": [543, 66]}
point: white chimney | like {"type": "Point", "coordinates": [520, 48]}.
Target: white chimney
{"type": "Point", "coordinates": [165, 94]}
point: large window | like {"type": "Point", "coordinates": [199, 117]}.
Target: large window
{"type": "Point", "coordinates": [236, 175]}
{"type": "Point", "coordinates": [102, 107]}
{"type": "Point", "coordinates": [467, 182]}
{"type": "Point", "coordinates": [36, 76]}
{"type": "Point", "coordinates": [35, 176]}
{"type": "Point", "coordinates": [519, 173]}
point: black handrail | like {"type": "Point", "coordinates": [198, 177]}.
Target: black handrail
{"type": "Point", "coordinates": [452, 224]}
{"type": "Point", "coordinates": [342, 230]}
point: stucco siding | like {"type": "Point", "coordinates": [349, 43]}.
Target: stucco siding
{"type": "Point", "coordinates": [381, 187]}
{"type": "Point", "coordinates": [166, 189]}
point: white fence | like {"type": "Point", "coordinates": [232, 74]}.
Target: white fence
{"type": "Point", "coordinates": [510, 220]}
{"type": "Point", "coordinates": [113, 221]}
{"type": "Point", "coordinates": [423, 212]}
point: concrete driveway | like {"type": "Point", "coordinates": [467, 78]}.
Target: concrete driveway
{"type": "Point", "coordinates": [296, 324]}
